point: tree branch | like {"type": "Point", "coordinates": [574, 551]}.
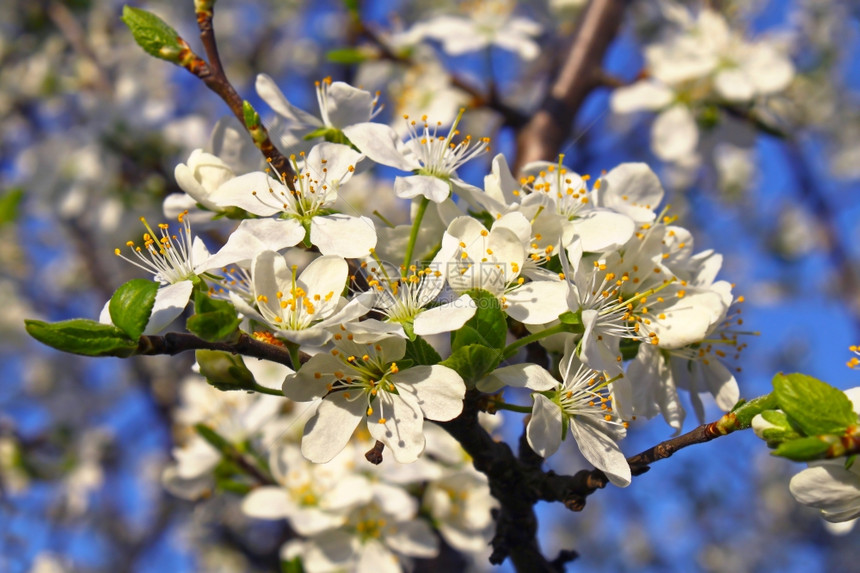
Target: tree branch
{"type": "Point", "coordinates": [212, 74]}
{"type": "Point", "coordinates": [582, 71]}
{"type": "Point", "coordinates": [518, 483]}
{"type": "Point", "coordinates": [174, 343]}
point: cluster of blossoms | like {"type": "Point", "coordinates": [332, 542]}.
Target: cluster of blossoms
{"type": "Point", "coordinates": [600, 276]}
{"type": "Point", "coordinates": [696, 67]}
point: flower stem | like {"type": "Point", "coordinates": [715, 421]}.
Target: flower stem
{"type": "Point", "coordinates": [512, 348]}
{"type": "Point", "coordinates": [269, 391]}
{"type": "Point", "coordinates": [294, 355]}
{"type": "Point", "coordinates": [512, 407]}
{"type": "Point", "coordinates": [413, 236]}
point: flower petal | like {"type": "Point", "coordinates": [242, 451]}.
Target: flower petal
{"type": "Point", "coordinates": [331, 427]}
{"type": "Point", "coordinates": [445, 318]}
{"type": "Point", "coordinates": [343, 235]}
{"type": "Point", "coordinates": [438, 390]}
{"type": "Point", "coordinates": [545, 427]}
{"type": "Point", "coordinates": [380, 143]}
{"type": "Point", "coordinates": [601, 450]}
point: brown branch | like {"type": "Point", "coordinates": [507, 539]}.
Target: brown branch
{"type": "Point", "coordinates": [212, 74]}
{"type": "Point", "coordinates": [174, 343]}
{"type": "Point", "coordinates": [518, 482]}
{"type": "Point", "coordinates": [511, 116]}
{"type": "Point", "coordinates": [582, 71]}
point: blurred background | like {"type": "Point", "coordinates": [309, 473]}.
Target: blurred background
{"type": "Point", "coordinates": [92, 128]}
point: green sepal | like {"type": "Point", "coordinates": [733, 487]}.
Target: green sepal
{"type": "Point", "coordinates": [225, 371]}
{"type": "Point", "coordinates": [803, 449]}
{"type": "Point", "coordinates": [346, 56]}
{"type": "Point", "coordinates": [82, 336]}
{"type": "Point", "coordinates": [213, 320]}
{"type": "Point", "coordinates": [420, 352]}
{"type": "Point", "coordinates": [741, 415]}
{"type": "Point", "coordinates": [153, 34]}
{"type": "Point", "coordinates": [488, 327]}
{"type": "Point", "coordinates": [473, 362]}
{"type": "Point", "coordinates": [131, 306]}
{"type": "Point", "coordinates": [570, 317]}
{"type": "Point", "coordinates": [250, 115]}
{"type": "Point", "coordinates": [814, 406]}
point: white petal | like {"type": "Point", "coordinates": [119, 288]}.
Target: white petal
{"type": "Point", "coordinates": [343, 235]}
{"type": "Point", "coordinates": [643, 95]}
{"type": "Point", "coordinates": [438, 390]}
{"type": "Point", "coordinates": [331, 427]}
{"type": "Point", "coordinates": [433, 188]}
{"type": "Point", "coordinates": [379, 143]}
{"type": "Point", "coordinates": [525, 375]}
{"type": "Point", "coordinates": [253, 236]}
{"type": "Point", "coordinates": [537, 302]}
{"type": "Point", "coordinates": [251, 192]}
{"type": "Point", "coordinates": [721, 383]}
{"type": "Point", "coordinates": [376, 558]}
{"type": "Point", "coordinates": [448, 317]}
{"type": "Point", "coordinates": [544, 429]}
{"type": "Point", "coordinates": [734, 85]}
{"type": "Point", "coordinates": [829, 487]}
{"type": "Point", "coordinates": [602, 230]}
{"type": "Point", "coordinates": [269, 92]}
{"type": "Point", "coordinates": [170, 301]}
{"type": "Point", "coordinates": [633, 189]}
{"type": "Point", "coordinates": [414, 538]}
{"type": "Point", "coordinates": [348, 105]}
{"type": "Point", "coordinates": [402, 433]}
{"type": "Point", "coordinates": [674, 135]}
{"type": "Point", "coordinates": [266, 502]}
{"type": "Point", "coordinates": [267, 373]}
{"type": "Point", "coordinates": [602, 451]}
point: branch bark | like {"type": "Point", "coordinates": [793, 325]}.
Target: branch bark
{"type": "Point", "coordinates": [582, 71]}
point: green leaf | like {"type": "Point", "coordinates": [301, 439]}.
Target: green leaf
{"type": "Point", "coordinates": [294, 565]}
{"type": "Point", "coordinates": [225, 371]}
{"type": "Point", "coordinates": [815, 406]}
{"type": "Point", "coordinates": [487, 327]}
{"type": "Point", "coordinates": [131, 306]}
{"type": "Point", "coordinates": [153, 34]}
{"type": "Point", "coordinates": [420, 352]}
{"type": "Point", "coordinates": [802, 450]}
{"type": "Point", "coordinates": [214, 439]}
{"type": "Point", "coordinates": [473, 362]}
{"type": "Point", "coordinates": [346, 56]}
{"type": "Point", "coordinates": [213, 320]}
{"type": "Point", "coordinates": [250, 115]}
{"type": "Point", "coordinates": [9, 203]}
{"type": "Point", "coordinates": [81, 336]}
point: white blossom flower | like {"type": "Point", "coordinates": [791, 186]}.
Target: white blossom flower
{"type": "Point", "coordinates": [340, 105]}
{"type": "Point", "coordinates": [487, 23]}
{"type": "Point", "coordinates": [363, 381]}
{"type": "Point", "coordinates": [581, 403]}
{"type": "Point", "coordinates": [433, 159]}
{"type": "Point", "coordinates": [313, 497]}
{"type": "Point", "coordinates": [300, 307]}
{"type": "Point", "coordinates": [326, 167]}
{"type": "Point", "coordinates": [461, 506]}
{"type": "Point", "coordinates": [493, 261]}
{"type": "Point", "coordinates": [373, 538]}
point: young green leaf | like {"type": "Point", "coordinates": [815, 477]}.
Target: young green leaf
{"type": "Point", "coordinates": [81, 336]}
{"type": "Point", "coordinates": [802, 450]}
{"type": "Point", "coordinates": [131, 306]}
{"type": "Point", "coordinates": [420, 352]}
{"type": "Point", "coordinates": [473, 362]}
{"type": "Point", "coordinates": [816, 407]}
{"type": "Point", "coordinates": [213, 320]}
{"type": "Point", "coordinates": [487, 327]}
{"type": "Point", "coordinates": [153, 34]}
